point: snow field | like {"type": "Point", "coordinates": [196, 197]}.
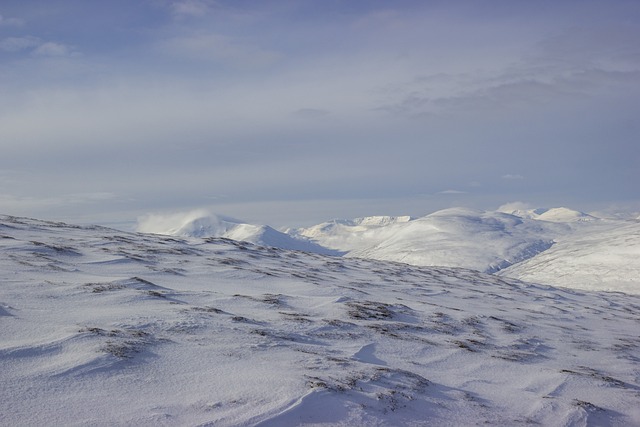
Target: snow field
{"type": "Point", "coordinates": [101, 327]}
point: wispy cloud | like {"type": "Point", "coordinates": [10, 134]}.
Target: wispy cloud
{"type": "Point", "coordinates": [191, 7]}
{"type": "Point", "coordinates": [512, 177]}
{"type": "Point", "coordinates": [568, 66]}
{"type": "Point", "coordinates": [11, 22]}
{"type": "Point", "coordinates": [16, 44]}
{"type": "Point", "coordinates": [55, 49]}
{"type": "Point", "coordinates": [452, 192]}
{"type": "Point", "coordinates": [36, 46]}
{"type": "Point", "coordinates": [219, 48]}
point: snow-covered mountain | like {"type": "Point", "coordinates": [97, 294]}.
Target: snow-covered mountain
{"type": "Point", "coordinates": [481, 240]}
{"type": "Point", "coordinates": [347, 235]}
{"type": "Point", "coordinates": [484, 241]}
{"type": "Point", "coordinates": [458, 237]}
{"type": "Point", "coordinates": [554, 214]}
{"type": "Point", "coordinates": [102, 327]}
{"type": "Point", "coordinates": [204, 224]}
{"type": "Point", "coordinates": [602, 257]}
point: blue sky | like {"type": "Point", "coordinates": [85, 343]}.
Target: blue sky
{"type": "Point", "coordinates": [294, 112]}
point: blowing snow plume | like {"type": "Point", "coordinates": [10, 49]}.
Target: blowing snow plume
{"type": "Point", "coordinates": [202, 223]}
{"type": "Point", "coordinates": [196, 223]}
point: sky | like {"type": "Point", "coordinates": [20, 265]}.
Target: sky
{"type": "Point", "coordinates": [292, 112]}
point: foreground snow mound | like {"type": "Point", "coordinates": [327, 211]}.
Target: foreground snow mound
{"type": "Point", "coordinates": [203, 224]}
{"type": "Point", "coordinates": [101, 327]}
{"type": "Point", "coordinates": [599, 258]}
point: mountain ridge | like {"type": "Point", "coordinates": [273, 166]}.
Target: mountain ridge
{"type": "Point", "coordinates": [203, 224]}
{"type": "Point", "coordinates": [488, 241]}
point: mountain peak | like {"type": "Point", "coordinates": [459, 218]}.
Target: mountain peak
{"type": "Point", "coordinates": [563, 214]}
{"type": "Point", "coordinates": [203, 224]}
{"type": "Point", "coordinates": [559, 214]}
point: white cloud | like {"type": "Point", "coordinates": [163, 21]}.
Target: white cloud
{"type": "Point", "coordinates": [219, 48]}
{"type": "Point", "coordinates": [54, 49]}
{"type": "Point", "coordinates": [513, 177]}
{"type": "Point", "coordinates": [37, 46]}
{"type": "Point", "coordinates": [204, 96]}
{"type": "Point", "coordinates": [10, 22]}
{"type": "Point", "coordinates": [16, 44]}
{"type": "Point", "coordinates": [191, 7]}
{"type": "Point", "coordinates": [566, 68]}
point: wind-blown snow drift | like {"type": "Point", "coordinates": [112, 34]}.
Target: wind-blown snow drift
{"type": "Point", "coordinates": [101, 327]}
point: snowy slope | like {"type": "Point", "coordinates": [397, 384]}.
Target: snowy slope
{"type": "Point", "coordinates": [347, 235]}
{"type": "Point", "coordinates": [204, 224]}
{"type": "Point", "coordinates": [557, 246]}
{"type": "Point", "coordinates": [561, 214]}
{"type": "Point", "coordinates": [602, 257]}
{"type": "Point", "coordinates": [485, 241]}
{"type": "Point", "coordinates": [101, 327]}
{"type": "Point", "coordinates": [565, 215]}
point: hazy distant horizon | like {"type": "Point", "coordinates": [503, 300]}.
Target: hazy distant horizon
{"type": "Point", "coordinates": [293, 113]}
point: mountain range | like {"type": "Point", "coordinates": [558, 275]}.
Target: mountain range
{"type": "Point", "coordinates": [549, 246]}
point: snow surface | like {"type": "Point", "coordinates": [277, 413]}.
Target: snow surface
{"type": "Point", "coordinates": [348, 235]}
{"type": "Point", "coordinates": [600, 257]}
{"type": "Point", "coordinates": [102, 327]}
